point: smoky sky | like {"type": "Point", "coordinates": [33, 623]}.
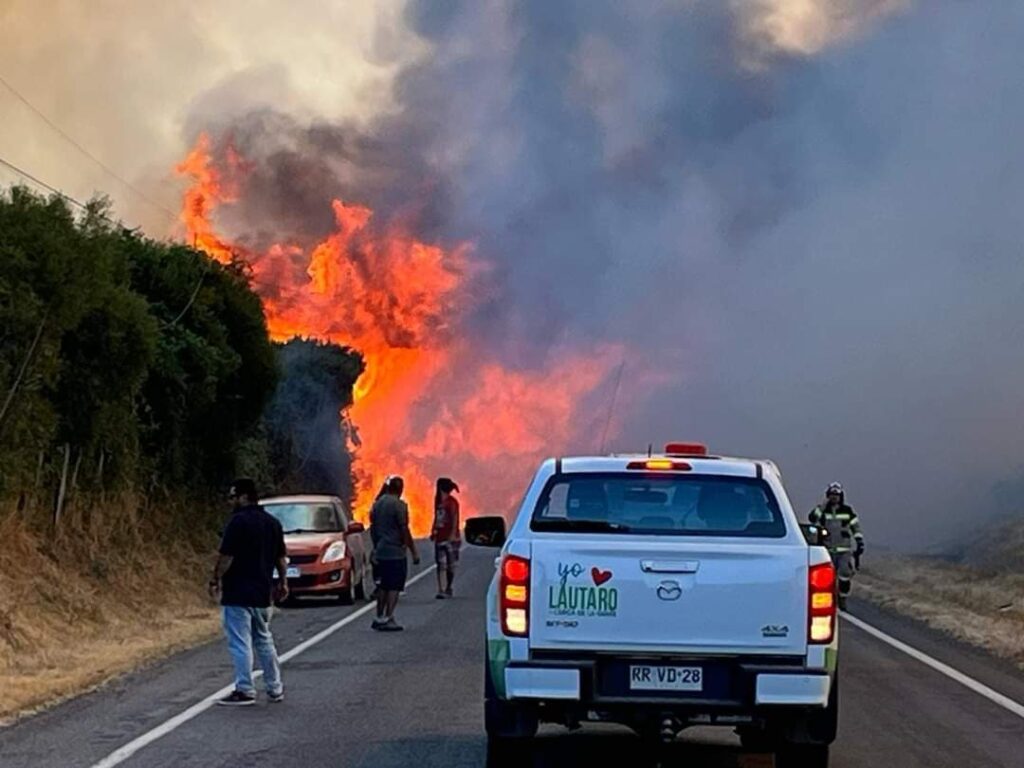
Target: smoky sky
{"type": "Point", "coordinates": [821, 255]}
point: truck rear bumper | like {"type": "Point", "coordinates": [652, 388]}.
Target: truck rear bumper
{"type": "Point", "coordinates": [798, 690]}
{"type": "Point", "coordinates": [736, 685]}
{"type": "Point", "coordinates": [542, 683]}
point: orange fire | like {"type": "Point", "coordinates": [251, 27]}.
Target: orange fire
{"type": "Point", "coordinates": [206, 192]}
{"type": "Point", "coordinates": [429, 404]}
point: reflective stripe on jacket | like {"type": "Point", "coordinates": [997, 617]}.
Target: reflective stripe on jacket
{"type": "Point", "coordinates": [842, 524]}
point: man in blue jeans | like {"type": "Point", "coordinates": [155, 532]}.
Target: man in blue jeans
{"type": "Point", "coordinates": [251, 548]}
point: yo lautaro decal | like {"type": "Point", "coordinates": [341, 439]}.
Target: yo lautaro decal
{"type": "Point", "coordinates": [583, 592]}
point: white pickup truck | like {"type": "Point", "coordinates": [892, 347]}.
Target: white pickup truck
{"type": "Point", "coordinates": [661, 592]}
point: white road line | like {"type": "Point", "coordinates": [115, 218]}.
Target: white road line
{"type": "Point", "coordinates": [968, 682]}
{"type": "Point", "coordinates": [123, 753]}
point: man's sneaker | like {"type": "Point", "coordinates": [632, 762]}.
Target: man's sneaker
{"type": "Point", "coordinates": [441, 596]}
{"type": "Point", "coordinates": [275, 698]}
{"type": "Point", "coordinates": [391, 626]}
{"type": "Point", "coordinates": [378, 623]}
{"type": "Point", "coordinates": [237, 699]}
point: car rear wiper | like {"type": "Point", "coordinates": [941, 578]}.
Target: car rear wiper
{"type": "Point", "coordinates": [305, 530]}
{"type": "Point", "coordinates": [584, 526]}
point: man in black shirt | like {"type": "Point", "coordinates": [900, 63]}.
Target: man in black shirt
{"type": "Point", "coordinates": [251, 548]}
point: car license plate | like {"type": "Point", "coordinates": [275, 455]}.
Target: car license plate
{"type": "Point", "coordinates": [292, 572]}
{"type": "Point", "coordinates": [654, 678]}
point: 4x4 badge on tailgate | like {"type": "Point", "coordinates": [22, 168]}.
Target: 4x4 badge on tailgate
{"type": "Point", "coordinates": [669, 590]}
{"type": "Point", "coordinates": [774, 630]}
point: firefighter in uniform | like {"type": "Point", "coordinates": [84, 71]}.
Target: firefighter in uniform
{"type": "Point", "coordinates": [846, 542]}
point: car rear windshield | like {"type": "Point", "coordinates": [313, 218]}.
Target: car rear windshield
{"type": "Point", "coordinates": [662, 505]}
{"type": "Point", "coordinates": [306, 518]}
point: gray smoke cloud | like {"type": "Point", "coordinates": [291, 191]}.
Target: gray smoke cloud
{"type": "Point", "coordinates": [823, 252]}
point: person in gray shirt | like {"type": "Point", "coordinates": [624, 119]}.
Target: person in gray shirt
{"type": "Point", "coordinates": [389, 530]}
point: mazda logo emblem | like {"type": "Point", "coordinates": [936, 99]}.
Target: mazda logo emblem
{"type": "Point", "coordinates": [669, 590]}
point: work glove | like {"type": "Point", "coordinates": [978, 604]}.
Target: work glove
{"type": "Point", "coordinates": [860, 547]}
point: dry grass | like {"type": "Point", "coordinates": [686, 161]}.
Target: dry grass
{"type": "Point", "coordinates": [94, 601]}
{"type": "Point", "coordinates": [982, 608]}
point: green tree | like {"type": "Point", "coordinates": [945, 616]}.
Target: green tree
{"type": "Point", "coordinates": [146, 364]}
{"type": "Point", "coordinates": [308, 442]}
{"type": "Point", "coordinates": [214, 369]}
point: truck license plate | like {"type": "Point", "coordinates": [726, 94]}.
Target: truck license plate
{"type": "Point", "coordinates": [292, 572]}
{"type": "Point", "coordinates": [653, 678]}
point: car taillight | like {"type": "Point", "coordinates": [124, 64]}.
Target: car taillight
{"type": "Point", "coordinates": [515, 596]}
{"type": "Point", "coordinates": [822, 616]}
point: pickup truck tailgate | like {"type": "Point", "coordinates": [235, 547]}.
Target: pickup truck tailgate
{"type": "Point", "coordinates": [641, 594]}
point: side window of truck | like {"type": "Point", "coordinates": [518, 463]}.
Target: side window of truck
{"type": "Point", "coordinates": [557, 502]}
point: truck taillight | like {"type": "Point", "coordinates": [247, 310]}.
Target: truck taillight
{"type": "Point", "coordinates": [515, 596]}
{"type": "Point", "coordinates": [822, 614]}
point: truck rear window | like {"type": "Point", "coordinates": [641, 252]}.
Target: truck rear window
{"type": "Point", "coordinates": [663, 505]}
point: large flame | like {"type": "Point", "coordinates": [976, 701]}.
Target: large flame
{"type": "Point", "coordinates": [429, 403]}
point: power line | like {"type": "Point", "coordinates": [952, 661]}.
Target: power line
{"type": "Point", "coordinates": [83, 150]}
{"type": "Point", "coordinates": [39, 182]}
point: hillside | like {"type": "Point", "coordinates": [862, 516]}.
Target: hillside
{"type": "Point", "coordinates": [996, 548]}
{"type": "Point", "coordinates": [974, 592]}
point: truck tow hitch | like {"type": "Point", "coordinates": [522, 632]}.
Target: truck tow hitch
{"type": "Point", "coordinates": [669, 729]}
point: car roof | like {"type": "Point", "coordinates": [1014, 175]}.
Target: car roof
{"type": "Point", "coordinates": [706, 465]}
{"type": "Point", "coordinates": [300, 499]}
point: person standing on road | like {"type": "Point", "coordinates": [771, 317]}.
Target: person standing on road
{"type": "Point", "coordinates": [373, 560]}
{"type": "Point", "coordinates": [845, 539]}
{"type": "Point", "coordinates": [389, 530]}
{"type": "Point", "coordinates": [251, 548]}
{"type": "Point", "coordinates": [446, 535]}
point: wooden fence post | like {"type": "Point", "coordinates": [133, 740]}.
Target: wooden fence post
{"type": "Point", "coordinates": [63, 485]}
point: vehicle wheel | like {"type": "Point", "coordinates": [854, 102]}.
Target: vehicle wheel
{"type": "Point", "coordinates": [822, 727]}
{"type": "Point", "coordinates": [803, 756]}
{"type": "Point", "coordinates": [360, 589]}
{"type": "Point", "coordinates": [757, 739]}
{"type": "Point", "coordinates": [345, 596]}
{"type": "Point", "coordinates": [808, 738]}
{"type": "Point", "coordinates": [507, 723]}
{"type": "Point", "coordinates": [508, 754]}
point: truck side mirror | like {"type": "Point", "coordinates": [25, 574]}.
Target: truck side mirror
{"type": "Point", "coordinates": [486, 531]}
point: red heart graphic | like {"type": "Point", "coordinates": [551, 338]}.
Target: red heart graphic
{"type": "Point", "coordinates": [599, 576]}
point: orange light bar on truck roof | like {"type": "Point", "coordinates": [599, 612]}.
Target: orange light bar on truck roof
{"type": "Point", "coordinates": [660, 465]}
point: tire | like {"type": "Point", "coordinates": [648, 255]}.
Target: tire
{"type": "Point", "coordinates": [757, 739]}
{"type": "Point", "coordinates": [823, 726]}
{"type": "Point", "coordinates": [817, 729]}
{"type": "Point", "coordinates": [360, 590]}
{"type": "Point", "coordinates": [508, 723]}
{"type": "Point", "coordinates": [345, 595]}
{"type": "Point", "coordinates": [803, 756]}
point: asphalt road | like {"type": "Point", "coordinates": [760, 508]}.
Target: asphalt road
{"type": "Point", "coordinates": [360, 698]}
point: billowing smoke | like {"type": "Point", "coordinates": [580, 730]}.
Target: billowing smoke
{"type": "Point", "coordinates": [798, 214]}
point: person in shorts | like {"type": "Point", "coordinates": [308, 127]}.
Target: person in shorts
{"type": "Point", "coordinates": [389, 530]}
{"type": "Point", "coordinates": [446, 535]}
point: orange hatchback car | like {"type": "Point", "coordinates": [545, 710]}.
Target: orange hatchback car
{"type": "Point", "coordinates": [327, 550]}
